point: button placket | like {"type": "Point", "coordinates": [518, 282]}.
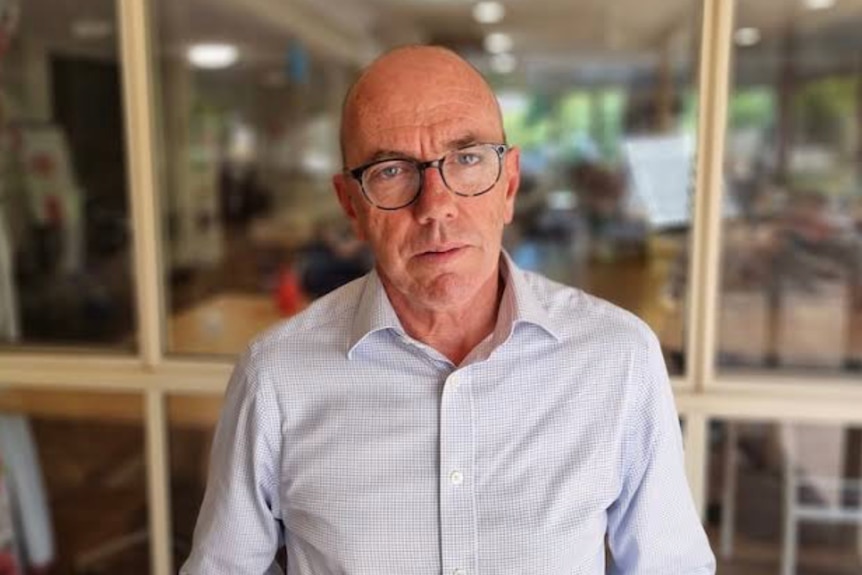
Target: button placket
{"type": "Point", "coordinates": [457, 521]}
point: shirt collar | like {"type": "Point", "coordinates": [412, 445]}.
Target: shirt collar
{"type": "Point", "coordinates": [519, 304]}
{"type": "Point", "coordinates": [373, 313]}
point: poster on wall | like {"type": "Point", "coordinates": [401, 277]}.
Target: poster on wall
{"type": "Point", "coordinates": [198, 239]}
{"type": "Point", "coordinates": [52, 193]}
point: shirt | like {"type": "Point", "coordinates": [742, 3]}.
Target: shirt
{"type": "Point", "coordinates": [364, 451]}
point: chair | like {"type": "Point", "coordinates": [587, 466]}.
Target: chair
{"type": "Point", "coordinates": [815, 489]}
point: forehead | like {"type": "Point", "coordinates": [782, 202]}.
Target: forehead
{"type": "Point", "coordinates": [433, 120]}
{"type": "Point", "coordinates": [419, 110]}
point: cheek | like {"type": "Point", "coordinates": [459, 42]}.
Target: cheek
{"type": "Point", "coordinates": [375, 227]}
{"type": "Point", "coordinates": [492, 217]}
{"type": "Point", "coordinates": [384, 235]}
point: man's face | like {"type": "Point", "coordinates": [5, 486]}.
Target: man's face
{"type": "Point", "coordinates": [439, 252]}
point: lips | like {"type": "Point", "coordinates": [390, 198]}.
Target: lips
{"type": "Point", "coordinates": [440, 250]}
{"type": "Point", "coordinates": [440, 254]}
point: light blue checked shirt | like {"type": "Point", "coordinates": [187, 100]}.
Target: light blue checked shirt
{"type": "Point", "coordinates": [364, 451]}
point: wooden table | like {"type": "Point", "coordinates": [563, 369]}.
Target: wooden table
{"type": "Point", "coordinates": [221, 325]}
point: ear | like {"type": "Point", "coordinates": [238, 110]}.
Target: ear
{"type": "Point", "coordinates": [342, 186]}
{"type": "Point", "coordinates": [512, 173]}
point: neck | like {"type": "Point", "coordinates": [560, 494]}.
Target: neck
{"type": "Point", "coordinates": [453, 331]}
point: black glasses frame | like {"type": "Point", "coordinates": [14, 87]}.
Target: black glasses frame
{"type": "Point", "coordinates": [357, 173]}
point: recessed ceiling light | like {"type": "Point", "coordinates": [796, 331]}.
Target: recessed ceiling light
{"type": "Point", "coordinates": [488, 12]}
{"type": "Point", "coordinates": [746, 36]}
{"type": "Point", "coordinates": [819, 4]}
{"type": "Point", "coordinates": [92, 29]}
{"type": "Point", "coordinates": [503, 63]}
{"type": "Point", "coordinates": [212, 56]}
{"type": "Point", "coordinates": [498, 42]}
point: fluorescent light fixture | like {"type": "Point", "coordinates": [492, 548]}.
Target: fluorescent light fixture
{"type": "Point", "coordinates": [498, 43]}
{"type": "Point", "coordinates": [212, 56]}
{"type": "Point", "coordinates": [488, 12]}
{"type": "Point", "coordinates": [819, 4]}
{"type": "Point", "coordinates": [92, 29]}
{"type": "Point", "coordinates": [746, 36]}
{"type": "Point", "coordinates": [503, 63]}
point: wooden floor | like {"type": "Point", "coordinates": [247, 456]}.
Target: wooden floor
{"type": "Point", "coordinates": [760, 558]}
{"type": "Point", "coordinates": [96, 486]}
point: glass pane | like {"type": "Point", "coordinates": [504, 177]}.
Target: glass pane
{"type": "Point", "coordinates": [192, 420]}
{"type": "Point", "coordinates": [785, 498]}
{"type": "Point", "coordinates": [601, 102]}
{"type": "Point", "coordinates": [73, 497]}
{"type": "Point", "coordinates": [64, 215]}
{"type": "Point", "coordinates": [792, 265]}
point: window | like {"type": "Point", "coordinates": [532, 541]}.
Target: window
{"type": "Point", "coordinates": [64, 226]}
{"type": "Point", "coordinates": [791, 293]}
{"type": "Point", "coordinates": [605, 123]}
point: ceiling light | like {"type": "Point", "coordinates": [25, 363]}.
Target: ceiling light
{"type": "Point", "coordinates": [498, 42]}
{"type": "Point", "coordinates": [488, 12]}
{"type": "Point", "coordinates": [212, 56]}
{"type": "Point", "coordinates": [92, 29]}
{"type": "Point", "coordinates": [746, 36]}
{"type": "Point", "coordinates": [503, 63]}
{"type": "Point", "coordinates": [819, 4]}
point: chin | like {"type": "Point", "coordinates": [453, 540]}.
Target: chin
{"type": "Point", "coordinates": [449, 290]}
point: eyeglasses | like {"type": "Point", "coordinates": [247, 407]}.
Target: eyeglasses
{"type": "Point", "coordinates": [396, 183]}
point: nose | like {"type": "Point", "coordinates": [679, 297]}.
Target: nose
{"type": "Point", "coordinates": [435, 201]}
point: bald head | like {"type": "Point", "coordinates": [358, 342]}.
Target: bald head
{"type": "Point", "coordinates": [415, 86]}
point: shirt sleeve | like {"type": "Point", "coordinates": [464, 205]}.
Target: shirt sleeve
{"type": "Point", "coordinates": [238, 529]}
{"type": "Point", "coordinates": [653, 527]}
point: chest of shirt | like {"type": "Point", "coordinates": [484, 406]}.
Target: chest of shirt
{"type": "Point", "coordinates": [493, 462]}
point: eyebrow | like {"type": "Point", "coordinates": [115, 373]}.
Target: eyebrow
{"type": "Point", "coordinates": [461, 142]}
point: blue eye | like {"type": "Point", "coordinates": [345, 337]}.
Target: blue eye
{"type": "Point", "coordinates": [468, 159]}
{"type": "Point", "coordinates": [386, 172]}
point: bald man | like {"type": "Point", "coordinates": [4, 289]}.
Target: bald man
{"type": "Point", "coordinates": [448, 412]}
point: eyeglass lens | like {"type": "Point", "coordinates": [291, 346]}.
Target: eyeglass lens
{"type": "Point", "coordinates": [468, 172]}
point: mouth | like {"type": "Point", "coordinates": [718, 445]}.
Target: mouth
{"type": "Point", "coordinates": [439, 253]}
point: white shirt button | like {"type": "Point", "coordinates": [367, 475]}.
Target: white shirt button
{"type": "Point", "coordinates": [456, 478]}
{"type": "Point", "coordinates": [459, 571]}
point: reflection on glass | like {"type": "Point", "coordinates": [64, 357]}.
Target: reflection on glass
{"type": "Point", "coordinates": [785, 498]}
{"type": "Point", "coordinates": [64, 237]}
{"type": "Point", "coordinates": [602, 106]}
{"type": "Point", "coordinates": [192, 421]}
{"type": "Point", "coordinates": [73, 495]}
{"type": "Point", "coordinates": [792, 268]}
